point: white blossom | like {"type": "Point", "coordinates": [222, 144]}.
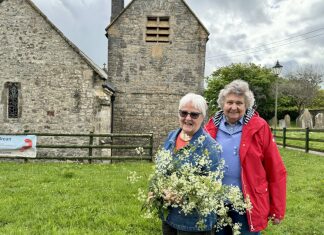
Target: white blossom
{"type": "Point", "coordinates": [184, 180]}
{"type": "Point", "coordinates": [133, 177]}
{"type": "Point", "coordinates": [139, 151]}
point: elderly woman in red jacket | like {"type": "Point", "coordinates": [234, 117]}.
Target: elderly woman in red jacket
{"type": "Point", "coordinates": [252, 159]}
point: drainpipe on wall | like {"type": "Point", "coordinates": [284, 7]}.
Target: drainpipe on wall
{"type": "Point", "coordinates": [112, 113]}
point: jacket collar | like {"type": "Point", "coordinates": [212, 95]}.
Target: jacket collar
{"type": "Point", "coordinates": [246, 118]}
{"type": "Point", "coordinates": [175, 134]}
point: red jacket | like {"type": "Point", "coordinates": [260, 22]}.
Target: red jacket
{"type": "Point", "coordinates": [263, 173]}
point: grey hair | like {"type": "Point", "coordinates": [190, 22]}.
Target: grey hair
{"type": "Point", "coordinates": [237, 87]}
{"type": "Point", "coordinates": [197, 101]}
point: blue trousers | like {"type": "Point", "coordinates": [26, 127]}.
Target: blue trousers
{"type": "Point", "coordinates": [237, 218]}
{"type": "Point", "coordinates": [168, 230]}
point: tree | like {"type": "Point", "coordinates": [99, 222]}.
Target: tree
{"type": "Point", "coordinates": [303, 85]}
{"type": "Point", "coordinates": [318, 102]}
{"type": "Point", "coordinates": [260, 79]}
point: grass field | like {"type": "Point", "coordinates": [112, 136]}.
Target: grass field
{"type": "Point", "coordinates": [70, 198]}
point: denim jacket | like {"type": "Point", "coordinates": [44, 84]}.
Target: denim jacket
{"type": "Point", "coordinates": [176, 218]}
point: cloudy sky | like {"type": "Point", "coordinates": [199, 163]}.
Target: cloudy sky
{"type": "Point", "coordinates": [241, 31]}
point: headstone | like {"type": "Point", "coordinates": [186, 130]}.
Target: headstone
{"type": "Point", "coordinates": [319, 121]}
{"type": "Point", "coordinates": [272, 122]}
{"type": "Point", "coordinates": [287, 120]}
{"type": "Point", "coordinates": [305, 120]}
{"type": "Point", "coordinates": [282, 123]}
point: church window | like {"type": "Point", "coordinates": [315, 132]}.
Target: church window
{"type": "Point", "coordinates": [13, 95]}
{"type": "Point", "coordinates": [158, 29]}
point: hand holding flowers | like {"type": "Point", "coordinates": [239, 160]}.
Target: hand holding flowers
{"type": "Point", "coordinates": [189, 181]}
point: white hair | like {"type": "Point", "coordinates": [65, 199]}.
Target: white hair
{"type": "Point", "coordinates": [239, 88]}
{"type": "Point", "coordinates": [197, 101]}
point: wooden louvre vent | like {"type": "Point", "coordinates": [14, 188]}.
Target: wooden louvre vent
{"type": "Point", "coordinates": [158, 29]}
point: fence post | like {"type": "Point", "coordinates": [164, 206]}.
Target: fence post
{"type": "Point", "coordinates": [26, 133]}
{"type": "Point", "coordinates": [90, 143]}
{"type": "Point", "coordinates": [151, 143]}
{"type": "Point", "coordinates": [307, 140]}
{"type": "Point", "coordinates": [274, 132]}
{"type": "Point", "coordinates": [284, 131]}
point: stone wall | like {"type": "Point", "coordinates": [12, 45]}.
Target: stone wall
{"type": "Point", "coordinates": [150, 78]}
{"type": "Point", "coordinates": [59, 91]}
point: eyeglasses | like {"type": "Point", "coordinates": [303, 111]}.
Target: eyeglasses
{"type": "Point", "coordinates": [184, 114]}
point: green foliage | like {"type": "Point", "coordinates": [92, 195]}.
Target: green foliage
{"type": "Point", "coordinates": [318, 102]}
{"type": "Point", "coordinates": [286, 101]}
{"type": "Point", "coordinates": [286, 105]}
{"type": "Point", "coordinates": [303, 85]}
{"type": "Point", "coordinates": [260, 79]}
{"type": "Point", "coordinates": [292, 111]}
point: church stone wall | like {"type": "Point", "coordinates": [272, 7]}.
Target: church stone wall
{"type": "Point", "coordinates": [57, 87]}
{"type": "Point", "coordinates": [150, 78]}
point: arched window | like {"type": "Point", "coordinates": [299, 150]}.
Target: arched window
{"type": "Point", "coordinates": [13, 99]}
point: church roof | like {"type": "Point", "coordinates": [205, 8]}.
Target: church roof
{"type": "Point", "coordinates": [125, 8]}
{"type": "Point", "coordinates": [102, 74]}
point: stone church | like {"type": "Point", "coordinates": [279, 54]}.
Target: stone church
{"type": "Point", "coordinates": [156, 54]}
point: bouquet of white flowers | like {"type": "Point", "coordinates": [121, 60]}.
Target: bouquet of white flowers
{"type": "Point", "coordinates": [186, 180]}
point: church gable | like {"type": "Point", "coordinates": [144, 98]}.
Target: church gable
{"type": "Point", "coordinates": [57, 84]}
{"type": "Point", "coordinates": [156, 4]}
{"type": "Point", "coordinates": [149, 40]}
{"type": "Point", "coordinates": [156, 54]}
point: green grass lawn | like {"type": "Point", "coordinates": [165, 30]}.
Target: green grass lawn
{"type": "Point", "coordinates": [71, 198]}
{"type": "Point", "coordinates": [305, 195]}
{"type": "Point", "coordinates": [39, 198]}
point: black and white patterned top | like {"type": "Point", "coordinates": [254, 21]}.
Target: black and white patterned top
{"type": "Point", "coordinates": [246, 118]}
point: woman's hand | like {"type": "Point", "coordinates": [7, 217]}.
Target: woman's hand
{"type": "Point", "coordinates": [150, 195]}
{"type": "Point", "coordinates": [274, 220]}
{"type": "Point", "coordinates": [170, 197]}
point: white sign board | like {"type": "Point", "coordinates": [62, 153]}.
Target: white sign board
{"type": "Point", "coordinates": [18, 145]}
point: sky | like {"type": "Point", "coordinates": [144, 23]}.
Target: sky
{"type": "Point", "coordinates": [241, 31]}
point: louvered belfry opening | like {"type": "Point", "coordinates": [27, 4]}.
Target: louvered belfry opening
{"type": "Point", "coordinates": [158, 29]}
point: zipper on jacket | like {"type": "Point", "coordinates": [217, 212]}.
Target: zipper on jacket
{"type": "Point", "coordinates": [244, 193]}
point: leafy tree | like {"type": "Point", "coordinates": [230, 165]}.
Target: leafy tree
{"type": "Point", "coordinates": [303, 85]}
{"type": "Point", "coordinates": [318, 102]}
{"type": "Point", "coordinates": [260, 79]}
{"type": "Point", "coordinates": [286, 105]}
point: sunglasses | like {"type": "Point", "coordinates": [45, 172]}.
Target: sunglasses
{"type": "Point", "coordinates": [184, 114]}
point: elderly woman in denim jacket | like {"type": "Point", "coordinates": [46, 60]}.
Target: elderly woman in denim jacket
{"type": "Point", "coordinates": [192, 110]}
{"type": "Point", "coordinates": [252, 159]}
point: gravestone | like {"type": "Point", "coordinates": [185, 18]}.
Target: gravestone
{"type": "Point", "coordinates": [319, 121]}
{"type": "Point", "coordinates": [305, 120]}
{"type": "Point", "coordinates": [282, 123]}
{"type": "Point", "coordinates": [287, 120]}
{"type": "Point", "coordinates": [272, 122]}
